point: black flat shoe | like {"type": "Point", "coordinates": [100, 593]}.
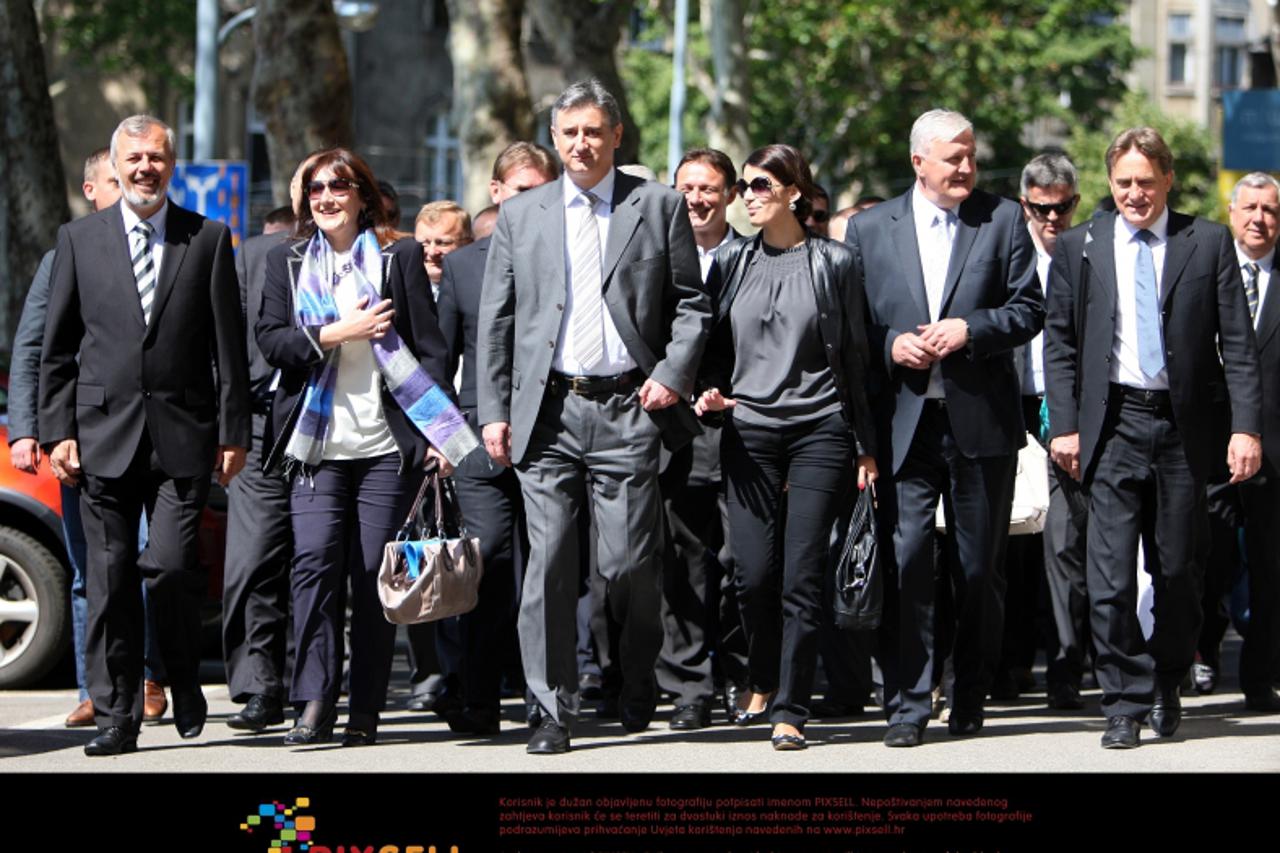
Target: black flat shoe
{"type": "Point", "coordinates": [113, 740]}
{"type": "Point", "coordinates": [788, 742]}
{"type": "Point", "coordinates": [361, 730]}
{"type": "Point", "coordinates": [750, 718]}
{"type": "Point", "coordinates": [306, 733]}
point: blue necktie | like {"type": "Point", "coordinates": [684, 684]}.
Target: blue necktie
{"type": "Point", "coordinates": [1150, 338]}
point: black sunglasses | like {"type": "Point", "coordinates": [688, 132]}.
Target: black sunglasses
{"type": "Point", "coordinates": [1062, 208]}
{"type": "Point", "coordinates": [339, 187]}
{"type": "Point", "coordinates": [760, 185]}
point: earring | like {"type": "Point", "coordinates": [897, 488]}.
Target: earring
{"type": "Point", "coordinates": [792, 206]}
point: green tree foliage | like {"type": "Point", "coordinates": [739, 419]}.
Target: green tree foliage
{"type": "Point", "coordinates": [154, 38]}
{"type": "Point", "coordinates": [843, 81]}
{"type": "Point", "coordinates": [1194, 165]}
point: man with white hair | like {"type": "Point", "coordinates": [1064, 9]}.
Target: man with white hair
{"type": "Point", "coordinates": [950, 277]}
{"type": "Point", "coordinates": [143, 299]}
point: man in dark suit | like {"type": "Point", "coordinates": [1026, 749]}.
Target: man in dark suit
{"type": "Point", "coordinates": [489, 494]}
{"type": "Point", "coordinates": [594, 320]}
{"type": "Point", "coordinates": [142, 392]}
{"type": "Point", "coordinates": [1150, 362]}
{"type": "Point", "coordinates": [255, 582]}
{"type": "Point", "coordinates": [950, 277]}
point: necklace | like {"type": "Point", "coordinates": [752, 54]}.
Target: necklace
{"type": "Point", "coordinates": [341, 273]}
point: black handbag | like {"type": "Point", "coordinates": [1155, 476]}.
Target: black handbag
{"type": "Point", "coordinates": [859, 581]}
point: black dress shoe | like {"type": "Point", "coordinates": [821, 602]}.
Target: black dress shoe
{"type": "Point", "coordinates": [1263, 701]}
{"type": "Point", "coordinates": [636, 716]}
{"type": "Point", "coordinates": [1121, 733]}
{"type": "Point", "coordinates": [421, 702]}
{"type": "Point", "coordinates": [827, 709]}
{"type": "Point", "coordinates": [260, 711]}
{"type": "Point", "coordinates": [608, 708]}
{"type": "Point", "coordinates": [1166, 713]}
{"type": "Point", "coordinates": [733, 695]}
{"type": "Point", "coordinates": [189, 711]}
{"type": "Point", "coordinates": [1065, 697]}
{"type": "Point", "coordinates": [113, 740]}
{"type": "Point", "coordinates": [551, 738]}
{"type": "Point", "coordinates": [477, 720]}
{"type": "Point", "coordinates": [904, 734]}
{"type": "Point", "coordinates": [690, 717]}
{"type": "Point", "coordinates": [964, 723]}
{"type": "Point", "coordinates": [361, 730]}
{"type": "Point", "coordinates": [590, 686]}
{"type": "Point", "coordinates": [532, 714]}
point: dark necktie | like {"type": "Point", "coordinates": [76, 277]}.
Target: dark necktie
{"type": "Point", "coordinates": [1251, 271]}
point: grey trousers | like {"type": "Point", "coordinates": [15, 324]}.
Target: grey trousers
{"type": "Point", "coordinates": [604, 451]}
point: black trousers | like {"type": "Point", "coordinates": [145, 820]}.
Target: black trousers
{"type": "Point", "coordinates": [977, 496]}
{"type": "Point", "coordinates": [780, 577]}
{"type": "Point", "coordinates": [111, 508]}
{"type": "Point", "coordinates": [1260, 656]}
{"type": "Point", "coordinates": [1141, 488]}
{"type": "Point", "coordinates": [342, 518]}
{"type": "Point", "coordinates": [1065, 531]}
{"type": "Point", "coordinates": [255, 584]}
{"type": "Point", "coordinates": [1222, 568]}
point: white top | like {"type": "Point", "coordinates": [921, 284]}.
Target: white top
{"type": "Point", "coordinates": [616, 359]}
{"type": "Point", "coordinates": [935, 235]}
{"type": "Point", "coordinates": [1033, 352]}
{"type": "Point", "coordinates": [1266, 264]}
{"type": "Point", "coordinates": [1125, 366]}
{"type": "Point", "coordinates": [357, 428]}
{"type": "Point", "coordinates": [157, 234]}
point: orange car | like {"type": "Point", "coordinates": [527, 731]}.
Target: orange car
{"type": "Point", "coordinates": [35, 575]}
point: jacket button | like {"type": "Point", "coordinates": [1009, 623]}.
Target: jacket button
{"type": "Point", "coordinates": [146, 394]}
{"type": "Point", "coordinates": [559, 307]}
{"type": "Point", "coordinates": [824, 315]}
{"type": "Point", "coordinates": [828, 346]}
{"type": "Point", "coordinates": [551, 344]}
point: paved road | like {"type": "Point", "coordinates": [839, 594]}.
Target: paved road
{"type": "Point", "coordinates": [1217, 735]}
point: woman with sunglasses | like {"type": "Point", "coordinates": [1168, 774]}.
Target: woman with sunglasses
{"type": "Point", "coordinates": [787, 362]}
{"type": "Point", "coordinates": [363, 402]}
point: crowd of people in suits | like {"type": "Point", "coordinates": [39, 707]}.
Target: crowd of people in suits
{"type": "Point", "coordinates": [656, 428]}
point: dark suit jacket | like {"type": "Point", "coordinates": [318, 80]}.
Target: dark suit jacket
{"type": "Point", "coordinates": [652, 287]}
{"type": "Point", "coordinates": [251, 270]}
{"type": "Point", "coordinates": [296, 350]}
{"type": "Point", "coordinates": [1269, 363]}
{"type": "Point", "coordinates": [1202, 305]}
{"type": "Point", "coordinates": [24, 366]}
{"type": "Point", "coordinates": [106, 376]}
{"type": "Point", "coordinates": [459, 309]}
{"type": "Point", "coordinates": [991, 284]}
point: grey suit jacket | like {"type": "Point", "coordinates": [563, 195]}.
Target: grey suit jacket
{"type": "Point", "coordinates": [991, 284]}
{"type": "Point", "coordinates": [652, 286]}
{"type": "Point", "coordinates": [24, 367]}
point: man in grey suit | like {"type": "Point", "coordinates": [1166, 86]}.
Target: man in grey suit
{"type": "Point", "coordinates": [950, 277]}
{"type": "Point", "coordinates": [594, 318]}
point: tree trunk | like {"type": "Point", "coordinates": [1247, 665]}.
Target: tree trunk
{"type": "Point", "coordinates": [584, 38]}
{"type": "Point", "coordinates": [728, 123]}
{"type": "Point", "coordinates": [491, 102]}
{"type": "Point", "coordinates": [301, 85]}
{"type": "Point", "coordinates": [34, 203]}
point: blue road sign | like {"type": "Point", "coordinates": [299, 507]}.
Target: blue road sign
{"type": "Point", "coordinates": [218, 189]}
{"type": "Point", "coordinates": [1251, 130]}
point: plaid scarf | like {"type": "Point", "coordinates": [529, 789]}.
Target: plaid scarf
{"type": "Point", "coordinates": [426, 404]}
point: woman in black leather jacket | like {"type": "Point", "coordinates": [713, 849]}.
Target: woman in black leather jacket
{"type": "Point", "coordinates": [787, 363]}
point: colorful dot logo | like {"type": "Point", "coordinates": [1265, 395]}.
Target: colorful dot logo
{"type": "Point", "coordinates": [291, 828]}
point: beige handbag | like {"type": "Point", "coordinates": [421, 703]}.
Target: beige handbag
{"type": "Point", "coordinates": [433, 576]}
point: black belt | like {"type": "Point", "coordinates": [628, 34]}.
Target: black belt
{"type": "Point", "coordinates": [1149, 398]}
{"type": "Point", "coordinates": [594, 386]}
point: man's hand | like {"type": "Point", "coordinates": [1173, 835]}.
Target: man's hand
{"type": "Point", "coordinates": [655, 395]}
{"type": "Point", "coordinates": [946, 336]}
{"type": "Point", "coordinates": [913, 351]}
{"type": "Point", "coordinates": [227, 462]}
{"type": "Point", "coordinates": [1065, 453]}
{"type": "Point", "coordinates": [64, 459]}
{"type": "Point", "coordinates": [442, 465]}
{"type": "Point", "coordinates": [1244, 456]}
{"type": "Point", "coordinates": [497, 441]}
{"type": "Point", "coordinates": [24, 454]}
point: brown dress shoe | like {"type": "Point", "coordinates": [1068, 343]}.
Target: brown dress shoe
{"type": "Point", "coordinates": [154, 702]}
{"type": "Point", "coordinates": [81, 716]}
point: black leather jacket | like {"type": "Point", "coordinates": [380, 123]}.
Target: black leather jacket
{"type": "Point", "coordinates": [841, 322]}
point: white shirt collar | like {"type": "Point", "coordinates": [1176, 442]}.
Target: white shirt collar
{"type": "Point", "coordinates": [1266, 262]}
{"type": "Point", "coordinates": [728, 235]}
{"type": "Point", "coordinates": [1159, 229]}
{"type": "Point", "coordinates": [156, 219]}
{"type": "Point", "coordinates": [602, 190]}
{"type": "Point", "coordinates": [924, 210]}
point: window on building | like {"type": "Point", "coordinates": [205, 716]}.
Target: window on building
{"type": "Point", "coordinates": [1229, 52]}
{"type": "Point", "coordinates": [442, 166]}
{"type": "Point", "coordinates": [1180, 50]}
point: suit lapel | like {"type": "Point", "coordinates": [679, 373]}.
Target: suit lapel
{"type": "Point", "coordinates": [118, 257]}
{"type": "Point", "coordinates": [966, 233]}
{"type": "Point", "coordinates": [1100, 249]}
{"type": "Point", "coordinates": [552, 232]}
{"type": "Point", "coordinates": [1177, 253]}
{"type": "Point", "coordinates": [904, 237]}
{"type": "Point", "coordinates": [178, 229]}
{"type": "Point", "coordinates": [1269, 321]}
{"type": "Point", "coordinates": [623, 222]}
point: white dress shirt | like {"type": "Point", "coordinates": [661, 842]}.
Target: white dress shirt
{"type": "Point", "coordinates": [1266, 264]}
{"type": "Point", "coordinates": [707, 256]}
{"type": "Point", "coordinates": [934, 239]}
{"type": "Point", "coordinates": [157, 234]}
{"type": "Point", "coordinates": [1126, 368]}
{"type": "Point", "coordinates": [616, 359]}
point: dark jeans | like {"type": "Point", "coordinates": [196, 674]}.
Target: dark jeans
{"type": "Point", "coordinates": [780, 583]}
{"type": "Point", "coordinates": [342, 518]}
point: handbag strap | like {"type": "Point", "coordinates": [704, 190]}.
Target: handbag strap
{"type": "Point", "coordinates": [416, 508]}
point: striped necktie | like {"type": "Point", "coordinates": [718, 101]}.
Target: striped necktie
{"type": "Point", "coordinates": [1251, 271]}
{"type": "Point", "coordinates": [588, 322]}
{"type": "Point", "coordinates": [144, 269]}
